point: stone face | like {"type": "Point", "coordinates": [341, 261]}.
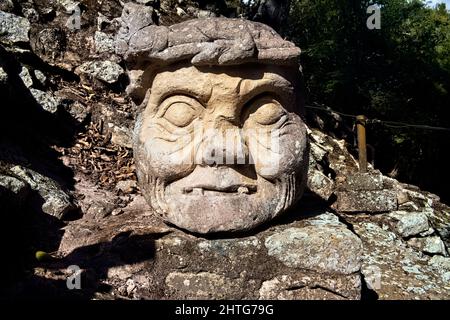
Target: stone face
{"type": "Point", "coordinates": [324, 248]}
{"type": "Point", "coordinates": [409, 223]}
{"type": "Point", "coordinates": [366, 201]}
{"type": "Point", "coordinates": [216, 147]}
{"type": "Point", "coordinates": [13, 28]}
{"type": "Point", "coordinates": [107, 71]}
{"type": "Point", "coordinates": [196, 172]}
{"type": "Point", "coordinates": [56, 202]}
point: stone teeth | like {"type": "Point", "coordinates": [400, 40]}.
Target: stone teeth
{"type": "Point", "coordinates": [197, 191]}
{"type": "Point", "coordinates": [243, 190]}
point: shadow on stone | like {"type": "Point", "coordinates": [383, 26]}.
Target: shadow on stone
{"type": "Point", "coordinates": [94, 261]}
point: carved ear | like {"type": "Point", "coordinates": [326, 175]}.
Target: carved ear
{"type": "Point", "coordinates": [140, 83]}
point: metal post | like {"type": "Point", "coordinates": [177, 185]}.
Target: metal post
{"type": "Point", "coordinates": [361, 131]}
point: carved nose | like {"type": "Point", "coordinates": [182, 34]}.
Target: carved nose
{"type": "Point", "coordinates": [224, 147]}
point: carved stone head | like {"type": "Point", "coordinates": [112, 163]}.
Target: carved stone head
{"type": "Point", "coordinates": [219, 142]}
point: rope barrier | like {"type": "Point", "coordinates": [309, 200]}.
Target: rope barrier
{"type": "Point", "coordinates": [389, 124]}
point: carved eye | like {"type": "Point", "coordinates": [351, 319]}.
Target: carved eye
{"type": "Point", "coordinates": [180, 110]}
{"type": "Point", "coordinates": [266, 111]}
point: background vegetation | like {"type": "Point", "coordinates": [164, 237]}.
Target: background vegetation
{"type": "Point", "coordinates": [400, 72]}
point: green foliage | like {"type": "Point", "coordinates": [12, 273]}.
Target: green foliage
{"type": "Point", "coordinates": [42, 256]}
{"type": "Point", "coordinates": [400, 72]}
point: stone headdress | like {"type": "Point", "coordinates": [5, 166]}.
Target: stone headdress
{"type": "Point", "coordinates": [211, 41]}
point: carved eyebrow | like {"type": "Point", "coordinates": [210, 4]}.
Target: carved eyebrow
{"type": "Point", "coordinates": [281, 88]}
{"type": "Point", "coordinates": [201, 95]}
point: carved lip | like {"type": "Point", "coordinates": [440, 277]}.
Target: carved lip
{"type": "Point", "coordinates": [232, 189]}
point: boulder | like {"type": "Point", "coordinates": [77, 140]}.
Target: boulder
{"type": "Point", "coordinates": [107, 71]}
{"type": "Point", "coordinates": [392, 270]}
{"type": "Point", "coordinates": [56, 202]}
{"type": "Point", "coordinates": [366, 201]}
{"type": "Point", "coordinates": [409, 223]}
{"type": "Point", "coordinates": [13, 28]}
{"type": "Point", "coordinates": [290, 261]}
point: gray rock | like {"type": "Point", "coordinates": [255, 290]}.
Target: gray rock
{"type": "Point", "coordinates": [228, 247]}
{"type": "Point", "coordinates": [99, 210]}
{"type": "Point", "coordinates": [104, 42]}
{"type": "Point", "coordinates": [6, 5]}
{"type": "Point", "coordinates": [295, 287]}
{"type": "Point", "coordinates": [440, 219]}
{"type": "Point", "coordinates": [390, 267]}
{"type": "Point", "coordinates": [31, 14]}
{"type": "Point", "coordinates": [184, 266]}
{"type": "Point", "coordinates": [126, 186]}
{"type": "Point", "coordinates": [409, 223]}
{"type": "Point", "coordinates": [432, 245]}
{"type": "Point", "coordinates": [402, 197]}
{"type": "Point", "coordinates": [203, 285]}
{"type": "Point", "coordinates": [364, 181]}
{"type": "Point", "coordinates": [146, 2]}
{"type": "Point", "coordinates": [13, 28]}
{"type": "Point", "coordinates": [103, 70]}
{"type": "Point", "coordinates": [40, 76]}
{"type": "Point", "coordinates": [427, 233]}
{"type": "Point", "coordinates": [46, 100]}
{"type": "Point", "coordinates": [77, 110]}
{"type": "Point", "coordinates": [134, 18]}
{"type": "Point", "coordinates": [102, 21]}
{"type": "Point", "coordinates": [446, 277]}
{"type": "Point", "coordinates": [325, 248]}
{"type": "Point", "coordinates": [366, 201]}
{"type": "Point", "coordinates": [26, 77]}
{"type": "Point", "coordinates": [3, 76]}
{"type": "Point", "coordinates": [17, 187]}
{"type": "Point", "coordinates": [320, 184]}
{"type": "Point", "coordinates": [202, 14]}
{"type": "Point", "coordinates": [122, 137]}
{"type": "Point", "coordinates": [442, 264]}
{"type": "Point", "coordinates": [317, 152]}
{"type": "Point", "coordinates": [49, 44]}
{"type": "Point", "coordinates": [56, 202]}
{"type": "Point", "coordinates": [323, 219]}
{"type": "Point", "coordinates": [180, 11]}
{"type": "Point", "coordinates": [68, 5]}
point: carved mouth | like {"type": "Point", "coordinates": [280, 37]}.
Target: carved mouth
{"type": "Point", "coordinates": [207, 189]}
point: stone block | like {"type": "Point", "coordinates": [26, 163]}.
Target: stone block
{"type": "Point", "coordinates": [366, 201]}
